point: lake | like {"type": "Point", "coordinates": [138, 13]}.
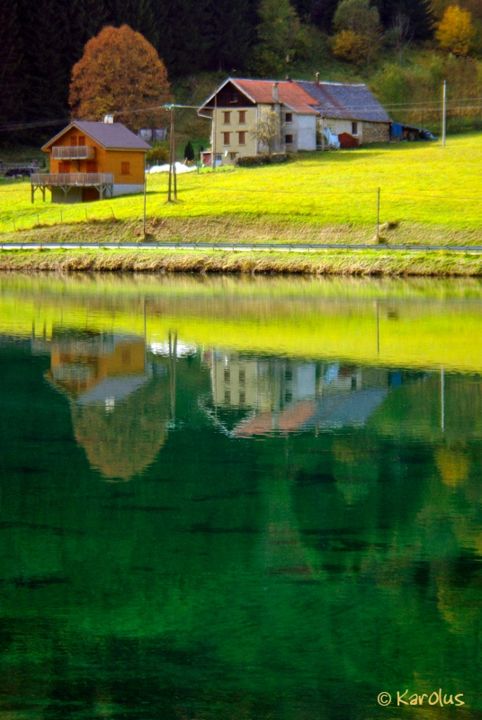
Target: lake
{"type": "Point", "coordinates": [240, 499]}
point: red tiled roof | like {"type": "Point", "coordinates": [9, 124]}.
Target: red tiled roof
{"type": "Point", "coordinates": [290, 94]}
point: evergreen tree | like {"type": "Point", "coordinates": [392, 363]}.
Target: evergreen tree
{"type": "Point", "coordinates": [11, 64]}
{"type": "Point", "coordinates": [46, 58]}
{"type": "Point", "coordinates": [322, 13]}
{"type": "Point", "coordinates": [229, 34]}
{"type": "Point", "coordinates": [418, 14]}
{"type": "Point", "coordinates": [189, 151]}
{"type": "Point", "coordinates": [140, 15]}
{"type": "Point", "coordinates": [277, 36]}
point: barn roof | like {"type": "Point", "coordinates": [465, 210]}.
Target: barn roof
{"type": "Point", "coordinates": [112, 136]}
{"type": "Point", "coordinates": [345, 101]}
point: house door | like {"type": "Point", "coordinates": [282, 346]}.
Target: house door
{"type": "Point", "coordinates": [64, 166]}
{"type": "Point", "coordinates": [91, 166]}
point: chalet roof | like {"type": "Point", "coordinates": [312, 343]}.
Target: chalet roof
{"type": "Point", "coordinates": [291, 94]}
{"type": "Point", "coordinates": [345, 101]}
{"type": "Point", "coordinates": [112, 136]}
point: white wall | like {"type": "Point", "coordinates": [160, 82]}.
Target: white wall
{"type": "Point", "coordinates": [306, 131]}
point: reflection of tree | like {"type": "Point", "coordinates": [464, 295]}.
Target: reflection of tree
{"type": "Point", "coordinates": [122, 442]}
{"type": "Point", "coordinates": [354, 467]}
{"type": "Point", "coordinates": [453, 465]}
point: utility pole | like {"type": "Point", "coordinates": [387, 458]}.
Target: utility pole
{"type": "Point", "coordinates": [213, 144]}
{"type": "Point", "coordinates": [145, 196]}
{"type": "Point", "coordinates": [444, 113]}
{"type": "Point", "coordinates": [172, 186]}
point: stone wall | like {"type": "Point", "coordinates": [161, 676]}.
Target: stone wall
{"type": "Point", "coordinates": [375, 132]}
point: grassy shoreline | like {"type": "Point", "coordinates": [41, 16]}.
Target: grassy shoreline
{"type": "Point", "coordinates": [326, 262]}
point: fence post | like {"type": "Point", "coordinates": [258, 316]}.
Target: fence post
{"type": "Point", "coordinates": [377, 235]}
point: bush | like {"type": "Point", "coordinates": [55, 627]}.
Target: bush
{"type": "Point", "coordinates": [254, 160]}
{"type": "Point", "coordinates": [350, 46]}
{"type": "Point", "coordinates": [158, 154]}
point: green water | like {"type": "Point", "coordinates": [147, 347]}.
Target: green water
{"type": "Point", "coordinates": [208, 514]}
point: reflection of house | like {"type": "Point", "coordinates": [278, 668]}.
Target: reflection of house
{"type": "Point", "coordinates": [101, 367]}
{"type": "Point", "coordinates": [120, 409]}
{"type": "Point", "coordinates": [90, 160]}
{"type": "Point", "coordinates": [285, 395]}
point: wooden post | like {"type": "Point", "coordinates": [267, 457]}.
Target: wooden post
{"type": "Point", "coordinates": [213, 144]}
{"type": "Point", "coordinates": [378, 216]}
{"type": "Point", "coordinates": [145, 197]}
{"type": "Point", "coordinates": [444, 113]}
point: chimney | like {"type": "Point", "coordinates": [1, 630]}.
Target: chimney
{"type": "Point", "coordinates": [108, 119]}
{"type": "Point", "coordinates": [317, 78]}
{"type": "Point", "coordinates": [276, 92]}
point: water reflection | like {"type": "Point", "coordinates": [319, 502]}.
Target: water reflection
{"type": "Point", "coordinates": [287, 396]}
{"type": "Point", "coordinates": [119, 397]}
{"type": "Point", "coordinates": [300, 531]}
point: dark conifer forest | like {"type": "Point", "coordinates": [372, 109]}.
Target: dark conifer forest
{"type": "Point", "coordinates": [41, 41]}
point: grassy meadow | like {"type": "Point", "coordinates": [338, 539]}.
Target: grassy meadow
{"type": "Point", "coordinates": [429, 193]}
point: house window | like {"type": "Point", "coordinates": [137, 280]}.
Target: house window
{"type": "Point", "coordinates": [354, 128]}
{"type": "Point", "coordinates": [82, 140]}
{"type": "Point", "coordinates": [289, 117]}
{"type": "Point", "coordinates": [125, 168]}
{"type": "Point", "coordinates": [242, 137]}
{"type": "Point", "coordinates": [242, 117]}
{"type": "Point", "coordinates": [227, 117]}
{"type": "Point", "coordinates": [73, 140]}
{"type": "Point", "coordinates": [289, 139]}
{"type": "Point", "coordinates": [226, 138]}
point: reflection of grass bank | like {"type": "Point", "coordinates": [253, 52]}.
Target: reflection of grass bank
{"type": "Point", "coordinates": [329, 262]}
{"type": "Point", "coordinates": [422, 333]}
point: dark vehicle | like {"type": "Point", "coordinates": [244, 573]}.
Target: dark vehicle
{"type": "Point", "coordinates": [427, 135]}
{"type": "Point", "coordinates": [25, 171]}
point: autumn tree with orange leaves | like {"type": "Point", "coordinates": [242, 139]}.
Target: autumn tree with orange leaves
{"type": "Point", "coordinates": [119, 73]}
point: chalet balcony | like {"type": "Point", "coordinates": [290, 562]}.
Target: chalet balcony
{"type": "Point", "coordinates": [71, 179]}
{"type": "Point", "coordinates": [74, 152]}
{"type": "Point", "coordinates": [70, 184]}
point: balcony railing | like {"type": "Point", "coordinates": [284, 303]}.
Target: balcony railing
{"type": "Point", "coordinates": [74, 152]}
{"type": "Point", "coordinates": [72, 179]}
